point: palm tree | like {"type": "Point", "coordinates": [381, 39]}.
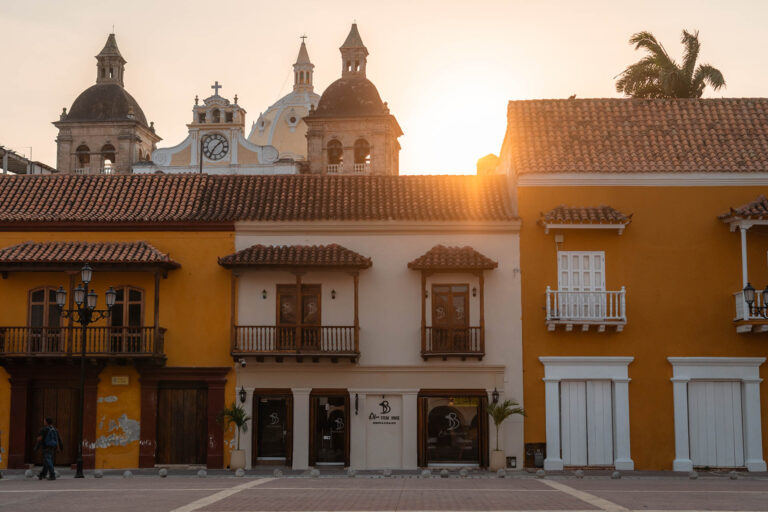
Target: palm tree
{"type": "Point", "coordinates": [234, 414]}
{"type": "Point", "coordinates": [657, 75]}
{"type": "Point", "coordinates": [501, 411]}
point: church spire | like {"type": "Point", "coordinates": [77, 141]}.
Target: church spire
{"type": "Point", "coordinates": [353, 55]}
{"type": "Point", "coordinates": [110, 63]}
{"type": "Point", "coordinates": [303, 69]}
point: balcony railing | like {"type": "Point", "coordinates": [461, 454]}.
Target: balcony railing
{"type": "Point", "coordinates": [82, 170]}
{"type": "Point", "coordinates": [444, 342]}
{"type": "Point", "coordinates": [361, 168]}
{"type": "Point", "coordinates": [302, 340]}
{"type": "Point", "coordinates": [131, 342]}
{"type": "Point", "coordinates": [746, 320]}
{"type": "Point", "coordinates": [335, 168]}
{"type": "Point", "coordinates": [600, 308]}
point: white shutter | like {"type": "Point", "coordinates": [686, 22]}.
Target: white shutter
{"type": "Point", "coordinates": [582, 271]}
{"type": "Point", "coordinates": [586, 423]}
{"type": "Point", "coordinates": [573, 416]}
{"type": "Point", "coordinates": [715, 423]}
{"type": "Point", "coordinates": [599, 423]}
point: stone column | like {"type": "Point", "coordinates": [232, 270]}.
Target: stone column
{"type": "Point", "coordinates": [682, 460]}
{"type": "Point", "coordinates": [623, 460]}
{"type": "Point", "coordinates": [753, 440]}
{"type": "Point", "coordinates": [301, 427]}
{"type": "Point", "coordinates": [553, 461]}
{"type": "Point", "coordinates": [410, 425]}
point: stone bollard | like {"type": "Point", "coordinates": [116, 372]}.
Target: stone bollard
{"type": "Point", "coordinates": [29, 474]}
{"type": "Point", "coordinates": [387, 473]}
{"type": "Point", "coordinates": [277, 473]}
{"type": "Point", "coordinates": [98, 474]}
{"type": "Point", "coordinates": [163, 472]}
{"type": "Point", "coordinates": [615, 475]}
{"type": "Point", "coordinates": [541, 473]}
{"type": "Point", "coordinates": [578, 473]}
{"type": "Point", "coordinates": [127, 474]}
{"type": "Point", "coordinates": [426, 473]}
{"type": "Point", "coordinates": [502, 473]}
{"type": "Point", "coordinates": [240, 473]}
{"type": "Point", "coordinates": [351, 473]}
{"type": "Point", "coordinates": [202, 473]}
{"type": "Point", "coordinates": [463, 473]}
{"type": "Point", "coordinates": [444, 473]}
{"type": "Point", "coordinates": [693, 475]}
{"type": "Point", "coordinates": [733, 475]}
{"type": "Point", "coordinates": [315, 473]}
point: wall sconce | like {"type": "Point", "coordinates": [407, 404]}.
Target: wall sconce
{"type": "Point", "coordinates": [264, 294]}
{"type": "Point", "coordinates": [333, 294]}
{"type": "Point", "coordinates": [242, 394]}
{"type": "Point", "coordinates": [426, 294]}
{"type": "Point", "coordinates": [474, 291]}
{"type": "Point", "coordinates": [495, 396]}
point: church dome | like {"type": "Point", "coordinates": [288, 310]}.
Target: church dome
{"type": "Point", "coordinates": [354, 96]}
{"type": "Point", "coordinates": [105, 102]}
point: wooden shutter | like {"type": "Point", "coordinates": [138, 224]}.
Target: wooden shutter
{"type": "Point", "coordinates": [715, 423]}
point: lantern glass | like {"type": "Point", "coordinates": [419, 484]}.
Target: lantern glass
{"type": "Point", "coordinates": [61, 297]}
{"type": "Point", "coordinates": [79, 295]}
{"type": "Point", "coordinates": [749, 294]}
{"type": "Point", "coordinates": [92, 298]}
{"type": "Point", "coordinates": [110, 296]}
{"type": "Point", "coordinates": [86, 273]}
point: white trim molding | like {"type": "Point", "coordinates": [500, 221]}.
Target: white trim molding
{"type": "Point", "coordinates": [557, 369]}
{"type": "Point", "coordinates": [585, 225]}
{"type": "Point", "coordinates": [743, 369]}
{"type": "Point", "coordinates": [643, 179]}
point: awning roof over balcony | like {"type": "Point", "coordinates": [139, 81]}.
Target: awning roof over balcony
{"type": "Point", "coordinates": [290, 257]}
{"type": "Point", "coordinates": [55, 256]}
{"type": "Point", "coordinates": [584, 217]}
{"type": "Point", "coordinates": [442, 258]}
{"type": "Point", "coordinates": [750, 214]}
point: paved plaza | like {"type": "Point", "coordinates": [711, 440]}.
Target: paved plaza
{"type": "Point", "coordinates": [220, 493]}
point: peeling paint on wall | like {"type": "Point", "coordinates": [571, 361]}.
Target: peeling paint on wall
{"type": "Point", "coordinates": [107, 399]}
{"type": "Point", "coordinates": [121, 433]}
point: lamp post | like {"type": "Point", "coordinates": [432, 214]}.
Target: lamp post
{"type": "Point", "coordinates": [749, 298]}
{"type": "Point", "coordinates": [85, 313]}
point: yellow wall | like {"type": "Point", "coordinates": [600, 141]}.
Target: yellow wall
{"type": "Point", "coordinates": [680, 266]}
{"type": "Point", "coordinates": [194, 308]}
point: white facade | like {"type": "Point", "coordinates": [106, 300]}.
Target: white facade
{"type": "Point", "coordinates": [390, 371]}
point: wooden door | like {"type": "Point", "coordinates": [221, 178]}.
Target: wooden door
{"type": "Point", "coordinates": [182, 423]}
{"type": "Point", "coordinates": [715, 424]}
{"type": "Point", "coordinates": [273, 427]}
{"type": "Point", "coordinates": [61, 404]}
{"type": "Point", "coordinates": [329, 428]}
{"type": "Point", "coordinates": [306, 316]}
{"type": "Point", "coordinates": [586, 420]}
{"type": "Point", "coordinates": [450, 317]}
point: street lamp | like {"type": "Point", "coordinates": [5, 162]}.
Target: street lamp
{"type": "Point", "coordinates": [749, 298]}
{"type": "Point", "coordinates": [85, 313]}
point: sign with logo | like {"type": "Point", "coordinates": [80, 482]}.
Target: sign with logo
{"type": "Point", "coordinates": [385, 416]}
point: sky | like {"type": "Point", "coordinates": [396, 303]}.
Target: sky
{"type": "Point", "coordinates": [447, 68]}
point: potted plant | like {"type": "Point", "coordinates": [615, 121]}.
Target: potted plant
{"type": "Point", "coordinates": [235, 415]}
{"type": "Point", "coordinates": [499, 412]}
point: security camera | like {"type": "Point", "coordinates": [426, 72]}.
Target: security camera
{"type": "Point", "coordinates": [242, 363]}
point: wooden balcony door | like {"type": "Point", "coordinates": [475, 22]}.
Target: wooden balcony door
{"type": "Point", "coordinates": [298, 317]}
{"type": "Point", "coordinates": [44, 320]}
{"type": "Point", "coordinates": [450, 317]}
{"type": "Point", "coordinates": [581, 271]}
{"type": "Point", "coordinates": [126, 321]}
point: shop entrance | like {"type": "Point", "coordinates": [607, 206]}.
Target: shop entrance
{"type": "Point", "coordinates": [329, 428]}
{"type": "Point", "coordinates": [273, 418]}
{"type": "Point", "coordinates": [182, 423]}
{"type": "Point", "coordinates": [453, 428]}
{"type": "Point", "coordinates": [60, 403]}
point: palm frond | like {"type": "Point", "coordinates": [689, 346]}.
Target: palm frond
{"type": "Point", "coordinates": [648, 42]}
{"type": "Point", "coordinates": [692, 48]}
{"type": "Point", "coordinates": [709, 74]}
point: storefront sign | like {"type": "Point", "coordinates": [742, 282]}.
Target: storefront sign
{"type": "Point", "coordinates": [120, 380]}
{"type": "Point", "coordinates": [385, 417]}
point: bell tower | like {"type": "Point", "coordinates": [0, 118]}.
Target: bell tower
{"type": "Point", "coordinates": [110, 64]}
{"type": "Point", "coordinates": [303, 70]}
{"type": "Point", "coordinates": [353, 55]}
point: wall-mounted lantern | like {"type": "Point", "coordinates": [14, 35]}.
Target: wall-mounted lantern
{"type": "Point", "coordinates": [242, 394]}
{"type": "Point", "coordinates": [333, 294]}
{"type": "Point", "coordinates": [264, 294]}
{"type": "Point", "coordinates": [474, 291]}
{"type": "Point", "coordinates": [749, 298]}
{"type": "Point", "coordinates": [495, 396]}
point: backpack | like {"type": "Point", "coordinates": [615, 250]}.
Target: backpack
{"type": "Point", "coordinates": [51, 439]}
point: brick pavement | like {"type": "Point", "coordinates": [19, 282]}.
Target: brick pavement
{"type": "Point", "coordinates": [519, 493]}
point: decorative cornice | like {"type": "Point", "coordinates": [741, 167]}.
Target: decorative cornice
{"type": "Point", "coordinates": [641, 179]}
{"type": "Point", "coordinates": [374, 227]}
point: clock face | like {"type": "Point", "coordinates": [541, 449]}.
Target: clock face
{"type": "Point", "coordinates": [215, 146]}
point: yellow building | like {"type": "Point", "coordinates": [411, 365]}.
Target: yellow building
{"type": "Point", "coordinates": [639, 348]}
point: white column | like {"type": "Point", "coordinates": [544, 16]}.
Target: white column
{"type": "Point", "coordinates": [301, 427]}
{"type": "Point", "coordinates": [744, 276]}
{"type": "Point", "coordinates": [235, 141]}
{"type": "Point", "coordinates": [246, 438]}
{"type": "Point", "coordinates": [623, 459]}
{"type": "Point", "coordinates": [410, 425]}
{"type": "Point", "coordinates": [753, 437]}
{"type": "Point", "coordinates": [553, 462]}
{"type": "Point", "coordinates": [357, 431]}
{"type": "Point", "coordinates": [682, 460]}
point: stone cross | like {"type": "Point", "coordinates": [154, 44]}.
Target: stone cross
{"type": "Point", "coordinates": [216, 88]}
{"type": "Point", "coordinates": [303, 38]}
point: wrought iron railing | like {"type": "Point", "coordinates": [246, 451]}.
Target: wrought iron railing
{"type": "Point", "coordinates": [466, 340]}
{"type": "Point", "coordinates": [592, 306]}
{"type": "Point", "coordinates": [67, 341]}
{"type": "Point", "coordinates": [743, 311]}
{"type": "Point", "coordinates": [302, 339]}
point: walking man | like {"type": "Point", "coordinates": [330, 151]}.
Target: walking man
{"type": "Point", "coordinates": [50, 440]}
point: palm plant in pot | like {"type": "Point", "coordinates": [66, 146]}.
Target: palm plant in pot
{"type": "Point", "coordinates": [235, 415]}
{"type": "Point", "coordinates": [499, 412]}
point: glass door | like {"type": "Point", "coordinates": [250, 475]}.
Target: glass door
{"type": "Point", "coordinates": [330, 430]}
{"type": "Point", "coordinates": [272, 433]}
{"type": "Point", "coordinates": [453, 433]}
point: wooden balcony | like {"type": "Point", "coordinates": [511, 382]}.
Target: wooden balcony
{"type": "Point", "coordinates": [462, 342]}
{"type": "Point", "coordinates": [585, 309]}
{"type": "Point", "coordinates": [311, 341]}
{"type": "Point", "coordinates": [124, 343]}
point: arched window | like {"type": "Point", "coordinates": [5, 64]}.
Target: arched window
{"type": "Point", "coordinates": [362, 156]}
{"type": "Point", "coordinates": [44, 320]}
{"type": "Point", "coordinates": [126, 320]}
{"type": "Point", "coordinates": [108, 156]}
{"type": "Point", "coordinates": [83, 153]}
{"type": "Point", "coordinates": [335, 153]}
{"type": "Point", "coordinates": [216, 115]}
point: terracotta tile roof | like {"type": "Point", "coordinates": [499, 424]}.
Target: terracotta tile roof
{"type": "Point", "coordinates": [190, 198]}
{"type": "Point", "coordinates": [95, 253]}
{"type": "Point", "coordinates": [634, 135]}
{"type": "Point", "coordinates": [584, 215]}
{"type": "Point", "coordinates": [441, 257]}
{"type": "Point", "coordinates": [756, 210]}
{"type": "Point", "coordinates": [323, 256]}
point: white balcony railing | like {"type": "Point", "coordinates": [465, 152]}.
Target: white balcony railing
{"type": "Point", "coordinates": [749, 321]}
{"type": "Point", "coordinates": [335, 168]}
{"type": "Point", "coordinates": [599, 308]}
{"type": "Point", "coordinates": [362, 168]}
